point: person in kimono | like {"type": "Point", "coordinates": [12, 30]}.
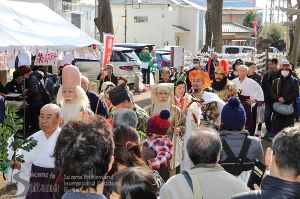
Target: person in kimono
{"type": "Point", "coordinates": [212, 103]}
{"type": "Point", "coordinates": [250, 93]}
{"type": "Point", "coordinates": [39, 162]}
{"type": "Point", "coordinates": [71, 97]}
{"type": "Point", "coordinates": [221, 85]}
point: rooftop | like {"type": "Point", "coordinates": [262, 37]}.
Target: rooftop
{"type": "Point", "coordinates": [235, 27]}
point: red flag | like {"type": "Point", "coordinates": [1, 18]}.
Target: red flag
{"type": "Point", "coordinates": [108, 48]}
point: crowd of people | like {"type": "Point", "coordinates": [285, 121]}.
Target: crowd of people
{"type": "Point", "coordinates": [198, 138]}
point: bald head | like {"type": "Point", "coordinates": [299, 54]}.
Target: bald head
{"type": "Point", "coordinates": [49, 119]}
{"type": "Point", "coordinates": [50, 109]}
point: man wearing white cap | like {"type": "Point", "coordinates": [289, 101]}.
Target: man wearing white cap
{"type": "Point", "coordinates": [72, 98]}
{"type": "Point", "coordinates": [284, 91]}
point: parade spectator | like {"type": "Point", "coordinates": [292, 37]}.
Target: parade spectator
{"type": "Point", "coordinates": [120, 98]}
{"type": "Point", "coordinates": [237, 143]}
{"type": "Point", "coordinates": [283, 161]}
{"type": "Point", "coordinates": [109, 77]}
{"type": "Point", "coordinates": [104, 96]}
{"type": "Point", "coordinates": [207, 179]}
{"type": "Point", "coordinates": [2, 90]}
{"type": "Point", "coordinates": [40, 159]}
{"type": "Point", "coordinates": [134, 183]}
{"type": "Point", "coordinates": [122, 80]}
{"type": "Point", "coordinates": [16, 84]}
{"type": "Point", "coordinates": [97, 105]}
{"type": "Point", "coordinates": [212, 64]}
{"type": "Point", "coordinates": [212, 104]}
{"type": "Point", "coordinates": [234, 74]}
{"type": "Point", "coordinates": [158, 141]}
{"type": "Point", "coordinates": [284, 92]}
{"type": "Point", "coordinates": [83, 156]}
{"type": "Point", "coordinates": [71, 97]}
{"type": "Point", "coordinates": [249, 93]}
{"type": "Point", "coordinates": [36, 97]}
{"type": "Point", "coordinates": [146, 58]}
{"type": "Point", "coordinates": [125, 117]}
{"type": "Point", "coordinates": [165, 75]}
{"type": "Point", "coordinates": [252, 74]}
{"type": "Point", "coordinates": [266, 85]}
{"type": "Point", "coordinates": [50, 80]}
{"type": "Point", "coordinates": [221, 85]}
{"type": "Point", "coordinates": [128, 153]}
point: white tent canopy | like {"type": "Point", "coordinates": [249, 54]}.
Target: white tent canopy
{"type": "Point", "coordinates": [34, 26]}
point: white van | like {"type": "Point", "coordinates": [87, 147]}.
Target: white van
{"type": "Point", "coordinates": [237, 49]}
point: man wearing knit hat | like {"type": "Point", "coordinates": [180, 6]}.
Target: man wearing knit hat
{"type": "Point", "coordinates": [212, 104]}
{"type": "Point", "coordinates": [71, 96]}
{"type": "Point", "coordinates": [222, 86]}
{"type": "Point", "coordinates": [284, 90]}
{"type": "Point", "coordinates": [234, 135]}
{"type": "Point", "coordinates": [120, 98]}
{"type": "Point", "coordinates": [36, 97]}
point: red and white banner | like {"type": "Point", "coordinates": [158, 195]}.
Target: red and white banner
{"type": "Point", "coordinates": [45, 59]}
{"type": "Point", "coordinates": [108, 48]}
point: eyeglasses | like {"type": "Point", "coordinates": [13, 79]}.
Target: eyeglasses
{"type": "Point", "coordinates": [47, 118]}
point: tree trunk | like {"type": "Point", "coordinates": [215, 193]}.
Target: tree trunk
{"type": "Point", "coordinates": [216, 20]}
{"type": "Point", "coordinates": [104, 21]}
{"type": "Point", "coordinates": [208, 31]}
{"type": "Point", "coordinates": [295, 51]}
{"type": "Point", "coordinates": [291, 29]}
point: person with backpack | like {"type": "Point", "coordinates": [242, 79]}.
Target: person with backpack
{"type": "Point", "coordinates": [207, 179]}
{"type": "Point", "coordinates": [285, 89]}
{"type": "Point", "coordinates": [240, 150]}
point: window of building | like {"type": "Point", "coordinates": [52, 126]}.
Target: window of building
{"type": "Point", "coordinates": [88, 15]}
{"type": "Point", "coordinates": [140, 19]}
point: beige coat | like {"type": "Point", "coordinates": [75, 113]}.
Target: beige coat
{"type": "Point", "coordinates": [215, 183]}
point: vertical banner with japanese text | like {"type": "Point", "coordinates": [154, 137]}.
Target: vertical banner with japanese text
{"type": "Point", "coordinates": [108, 48]}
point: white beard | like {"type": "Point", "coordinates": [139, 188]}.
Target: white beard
{"type": "Point", "coordinates": [71, 112]}
{"type": "Point", "coordinates": [159, 106]}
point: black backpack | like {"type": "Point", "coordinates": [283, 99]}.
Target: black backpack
{"type": "Point", "coordinates": [236, 165]}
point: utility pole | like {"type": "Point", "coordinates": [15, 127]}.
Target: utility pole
{"type": "Point", "coordinates": [125, 23]}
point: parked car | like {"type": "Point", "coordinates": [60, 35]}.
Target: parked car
{"type": "Point", "coordinates": [273, 50]}
{"type": "Point", "coordinates": [138, 47]}
{"type": "Point", "coordinates": [163, 58]}
{"type": "Point", "coordinates": [237, 49]}
{"type": "Point", "coordinates": [125, 61]}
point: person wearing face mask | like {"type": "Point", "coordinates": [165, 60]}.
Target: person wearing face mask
{"type": "Point", "coordinates": [284, 90]}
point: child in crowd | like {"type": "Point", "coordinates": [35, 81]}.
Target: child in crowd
{"type": "Point", "coordinates": [159, 142]}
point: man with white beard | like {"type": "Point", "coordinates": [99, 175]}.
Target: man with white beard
{"type": "Point", "coordinates": [71, 97]}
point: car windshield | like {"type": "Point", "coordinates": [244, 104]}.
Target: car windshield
{"type": "Point", "coordinates": [131, 56]}
{"type": "Point", "coordinates": [166, 56]}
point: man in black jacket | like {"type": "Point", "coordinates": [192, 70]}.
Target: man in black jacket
{"type": "Point", "coordinates": [266, 85]}
{"type": "Point", "coordinates": [283, 160]}
{"type": "Point", "coordinates": [97, 105]}
{"type": "Point", "coordinates": [284, 91]}
{"type": "Point", "coordinates": [36, 97]}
